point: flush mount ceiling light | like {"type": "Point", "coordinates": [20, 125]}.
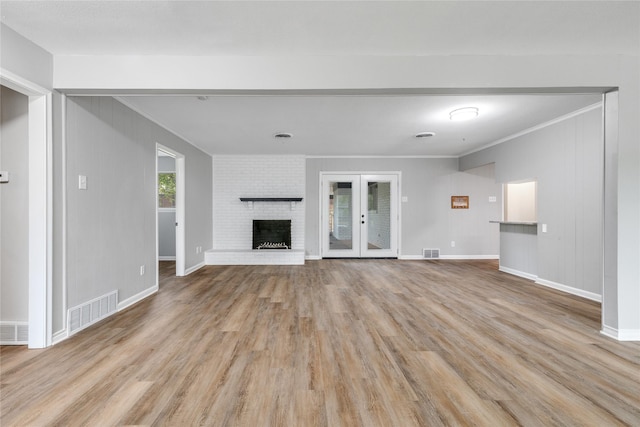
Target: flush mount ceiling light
{"type": "Point", "coordinates": [425, 134]}
{"type": "Point", "coordinates": [203, 98]}
{"type": "Point", "coordinates": [282, 135]}
{"type": "Point", "coordinates": [461, 114]}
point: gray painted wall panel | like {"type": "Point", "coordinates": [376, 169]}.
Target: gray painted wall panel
{"type": "Point", "coordinates": [111, 225]}
{"type": "Point", "coordinates": [566, 159]}
{"type": "Point", "coordinates": [14, 206]}
{"type": "Point", "coordinates": [427, 220]}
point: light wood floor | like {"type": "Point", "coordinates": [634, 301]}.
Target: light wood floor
{"type": "Point", "coordinates": [331, 343]}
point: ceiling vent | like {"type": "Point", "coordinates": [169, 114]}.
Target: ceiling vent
{"type": "Point", "coordinates": [282, 135]}
{"type": "Point", "coordinates": [425, 134]}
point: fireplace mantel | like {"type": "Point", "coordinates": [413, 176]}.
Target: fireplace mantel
{"type": "Point", "coordinates": [291, 200]}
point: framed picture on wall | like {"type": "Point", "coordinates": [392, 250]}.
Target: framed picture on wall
{"type": "Point", "coordinates": [459, 202]}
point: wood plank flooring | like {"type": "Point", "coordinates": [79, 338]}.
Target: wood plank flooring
{"type": "Point", "coordinates": [334, 343]}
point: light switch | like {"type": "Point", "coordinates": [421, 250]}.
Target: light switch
{"type": "Point", "coordinates": [82, 182]}
{"type": "Point", "coordinates": [544, 228]}
{"type": "Point", "coordinates": [4, 176]}
{"type": "Point", "coordinates": [492, 199]}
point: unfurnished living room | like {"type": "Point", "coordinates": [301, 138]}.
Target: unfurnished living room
{"type": "Point", "coordinates": [320, 213]}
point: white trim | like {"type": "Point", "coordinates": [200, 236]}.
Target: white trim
{"type": "Point", "coordinates": [363, 156]}
{"type": "Point", "coordinates": [469, 257]}
{"type": "Point", "coordinates": [61, 335]}
{"type": "Point", "coordinates": [195, 268]}
{"type": "Point", "coordinates": [166, 258]}
{"type": "Point", "coordinates": [17, 83]}
{"type": "Point", "coordinates": [621, 334]}
{"type": "Point", "coordinates": [568, 289]}
{"type": "Point", "coordinates": [40, 206]}
{"type": "Point", "coordinates": [447, 257]}
{"type": "Point", "coordinates": [536, 128]}
{"type": "Point", "coordinates": [410, 257]}
{"type": "Point", "coordinates": [518, 273]}
{"type": "Point", "coordinates": [166, 209]}
{"type": "Point", "coordinates": [136, 298]}
{"type": "Point", "coordinates": [312, 257]}
{"type": "Point", "coordinates": [179, 209]}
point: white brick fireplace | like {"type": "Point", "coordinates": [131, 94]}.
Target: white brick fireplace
{"type": "Point", "coordinates": [236, 177]}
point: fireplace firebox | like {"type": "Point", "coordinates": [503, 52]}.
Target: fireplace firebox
{"type": "Point", "coordinates": [271, 234]}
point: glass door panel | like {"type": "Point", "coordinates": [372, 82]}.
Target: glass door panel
{"type": "Point", "coordinates": [379, 212]}
{"type": "Point", "coordinates": [360, 216]}
{"type": "Point", "coordinates": [341, 229]}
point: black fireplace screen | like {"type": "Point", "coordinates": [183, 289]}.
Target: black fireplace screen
{"type": "Point", "coordinates": [271, 234]}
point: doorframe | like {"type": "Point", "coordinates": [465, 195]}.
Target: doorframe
{"type": "Point", "coordinates": [360, 172]}
{"type": "Point", "coordinates": [40, 207]}
{"type": "Point", "coordinates": [180, 211]}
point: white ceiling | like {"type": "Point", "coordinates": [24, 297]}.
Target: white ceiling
{"type": "Point", "coordinates": [325, 124]}
{"type": "Point", "coordinates": [351, 125]}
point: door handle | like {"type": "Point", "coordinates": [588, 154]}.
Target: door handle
{"type": "Point", "coordinates": [362, 222]}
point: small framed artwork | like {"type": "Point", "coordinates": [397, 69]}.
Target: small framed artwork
{"type": "Point", "coordinates": [459, 202]}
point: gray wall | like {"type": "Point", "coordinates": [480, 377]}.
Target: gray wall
{"type": "Point", "coordinates": [111, 225]}
{"type": "Point", "coordinates": [14, 206]}
{"type": "Point", "coordinates": [24, 58]}
{"type": "Point", "coordinates": [427, 220]}
{"type": "Point", "coordinates": [166, 219]}
{"type": "Point", "coordinates": [566, 159]}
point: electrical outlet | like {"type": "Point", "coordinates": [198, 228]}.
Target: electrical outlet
{"type": "Point", "coordinates": [142, 270]}
{"type": "Point", "coordinates": [82, 182]}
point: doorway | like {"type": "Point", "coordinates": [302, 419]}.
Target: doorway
{"type": "Point", "coordinates": [359, 215]}
{"type": "Point", "coordinates": [170, 208]}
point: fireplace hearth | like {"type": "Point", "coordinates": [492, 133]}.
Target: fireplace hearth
{"type": "Point", "coordinates": [270, 234]}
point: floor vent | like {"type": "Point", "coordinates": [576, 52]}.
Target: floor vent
{"type": "Point", "coordinates": [431, 253]}
{"type": "Point", "coordinates": [14, 333]}
{"type": "Point", "coordinates": [81, 316]}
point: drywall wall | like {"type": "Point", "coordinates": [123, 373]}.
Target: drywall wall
{"type": "Point", "coordinates": [426, 218]}
{"type": "Point", "coordinates": [25, 59]}
{"type": "Point", "coordinates": [14, 207]}
{"type": "Point", "coordinates": [111, 226]}
{"type": "Point", "coordinates": [566, 160]}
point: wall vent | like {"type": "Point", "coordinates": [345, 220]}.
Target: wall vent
{"type": "Point", "coordinates": [431, 253]}
{"type": "Point", "coordinates": [14, 333]}
{"type": "Point", "coordinates": [83, 315]}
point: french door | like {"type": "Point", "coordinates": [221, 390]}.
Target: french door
{"type": "Point", "coordinates": [359, 216]}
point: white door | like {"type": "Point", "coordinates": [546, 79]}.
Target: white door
{"type": "Point", "coordinates": [359, 216]}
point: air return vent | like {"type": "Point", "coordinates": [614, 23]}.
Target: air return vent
{"type": "Point", "coordinates": [14, 333]}
{"type": "Point", "coordinates": [431, 253]}
{"type": "Point", "coordinates": [83, 315]}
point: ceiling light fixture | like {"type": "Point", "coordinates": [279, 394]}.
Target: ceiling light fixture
{"type": "Point", "coordinates": [203, 98]}
{"type": "Point", "coordinates": [425, 134]}
{"type": "Point", "coordinates": [461, 114]}
{"type": "Point", "coordinates": [282, 135]}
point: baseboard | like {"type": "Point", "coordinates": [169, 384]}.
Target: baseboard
{"type": "Point", "coordinates": [196, 267]}
{"type": "Point", "coordinates": [447, 257]}
{"type": "Point", "coordinates": [469, 257]}
{"type": "Point", "coordinates": [621, 334]}
{"type": "Point", "coordinates": [166, 258]}
{"type": "Point", "coordinates": [568, 289]}
{"type": "Point", "coordinates": [59, 336]}
{"type": "Point", "coordinates": [137, 297]}
{"type": "Point", "coordinates": [410, 257]}
{"type": "Point", "coordinates": [518, 273]}
{"type": "Point", "coordinates": [312, 257]}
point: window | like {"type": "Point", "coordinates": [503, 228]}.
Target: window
{"type": "Point", "coordinates": [167, 190]}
